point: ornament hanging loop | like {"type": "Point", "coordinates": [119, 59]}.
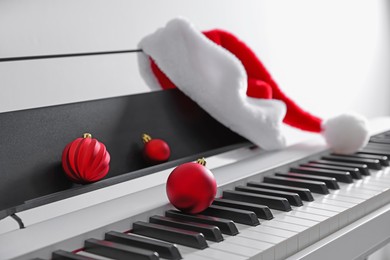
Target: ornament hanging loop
{"type": "Point", "coordinates": [87, 135]}
{"type": "Point", "coordinates": [201, 161]}
{"type": "Point", "coordinates": [146, 138]}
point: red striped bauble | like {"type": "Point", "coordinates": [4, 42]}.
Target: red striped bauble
{"type": "Point", "coordinates": [85, 160]}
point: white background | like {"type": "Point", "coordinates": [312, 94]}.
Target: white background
{"type": "Point", "coordinates": [330, 56]}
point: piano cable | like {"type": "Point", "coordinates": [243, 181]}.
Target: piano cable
{"type": "Point", "coordinates": [18, 220]}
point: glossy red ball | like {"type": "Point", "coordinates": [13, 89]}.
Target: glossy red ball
{"type": "Point", "coordinates": [85, 160]}
{"type": "Point", "coordinates": [156, 151]}
{"type": "Point", "coordinates": [191, 187]}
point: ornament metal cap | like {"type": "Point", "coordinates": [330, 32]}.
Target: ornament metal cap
{"type": "Point", "coordinates": [201, 161]}
{"type": "Point", "coordinates": [146, 138]}
{"type": "Point", "coordinates": [87, 135]}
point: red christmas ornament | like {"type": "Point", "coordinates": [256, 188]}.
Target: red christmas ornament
{"type": "Point", "coordinates": [155, 150]}
{"type": "Point", "coordinates": [85, 160]}
{"type": "Point", "coordinates": [191, 187]}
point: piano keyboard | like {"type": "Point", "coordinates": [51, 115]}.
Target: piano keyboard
{"type": "Point", "coordinates": [273, 214]}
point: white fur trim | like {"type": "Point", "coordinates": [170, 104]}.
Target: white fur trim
{"type": "Point", "coordinates": [146, 71]}
{"type": "Point", "coordinates": [216, 80]}
{"type": "Point", "coordinates": [346, 133]}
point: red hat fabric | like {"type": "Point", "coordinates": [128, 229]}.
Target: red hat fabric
{"type": "Point", "coordinates": [345, 133]}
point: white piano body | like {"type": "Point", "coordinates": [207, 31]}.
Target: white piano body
{"type": "Point", "coordinates": [67, 223]}
{"type": "Point", "coordinates": [43, 27]}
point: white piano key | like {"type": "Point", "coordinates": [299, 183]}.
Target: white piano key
{"type": "Point", "coordinates": [303, 213]}
{"type": "Point", "coordinates": [240, 245]}
{"type": "Point", "coordinates": [219, 254]}
{"type": "Point", "coordinates": [375, 182]}
{"type": "Point", "coordinates": [344, 198]}
{"type": "Point", "coordinates": [236, 249]}
{"type": "Point", "coordinates": [321, 227]}
{"type": "Point", "coordinates": [359, 186]}
{"type": "Point", "coordinates": [274, 231]}
{"type": "Point", "coordinates": [279, 249]}
{"type": "Point", "coordinates": [314, 235]}
{"type": "Point", "coordinates": [302, 236]}
{"type": "Point", "coordinates": [297, 221]}
{"type": "Point", "coordinates": [93, 255]}
{"type": "Point", "coordinates": [185, 250]}
{"type": "Point", "coordinates": [352, 210]}
{"type": "Point", "coordinates": [283, 225]}
{"type": "Point", "coordinates": [320, 212]}
{"type": "Point", "coordinates": [305, 238]}
{"type": "Point", "coordinates": [225, 247]}
{"type": "Point", "coordinates": [249, 233]}
{"type": "Point", "coordinates": [378, 184]}
{"type": "Point", "coordinates": [339, 203]}
{"type": "Point", "coordinates": [268, 254]}
{"type": "Point", "coordinates": [380, 175]}
{"type": "Point", "coordinates": [249, 242]}
{"type": "Point", "coordinates": [332, 221]}
{"type": "Point", "coordinates": [269, 244]}
{"type": "Point", "coordinates": [351, 192]}
{"type": "Point", "coordinates": [317, 204]}
{"type": "Point", "coordinates": [370, 186]}
{"type": "Point", "coordinates": [292, 244]}
{"type": "Point", "coordinates": [195, 257]}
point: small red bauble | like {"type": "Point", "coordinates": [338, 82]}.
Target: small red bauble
{"type": "Point", "coordinates": [191, 187]}
{"type": "Point", "coordinates": [155, 150]}
{"type": "Point", "coordinates": [85, 160]}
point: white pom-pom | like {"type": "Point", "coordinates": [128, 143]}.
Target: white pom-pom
{"type": "Point", "coordinates": [346, 133]}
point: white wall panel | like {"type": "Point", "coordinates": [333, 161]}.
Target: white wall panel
{"type": "Point", "coordinates": [65, 26]}
{"type": "Point", "coordinates": [330, 56]}
{"type": "Point", "coordinates": [37, 83]}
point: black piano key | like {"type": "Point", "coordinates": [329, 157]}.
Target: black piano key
{"type": "Point", "coordinates": [362, 167]}
{"type": "Point", "coordinates": [313, 186]}
{"type": "Point", "coordinates": [379, 140]}
{"type": "Point", "coordinates": [271, 201]}
{"type": "Point", "coordinates": [210, 232]}
{"type": "Point", "coordinates": [237, 215]}
{"type": "Point", "coordinates": [164, 249]}
{"type": "Point", "coordinates": [305, 194]}
{"type": "Point", "coordinates": [118, 251]}
{"type": "Point", "coordinates": [355, 173]}
{"type": "Point", "coordinates": [383, 160]}
{"type": "Point", "coordinates": [340, 176]}
{"type": "Point", "coordinates": [64, 255]}
{"type": "Point", "coordinates": [371, 163]}
{"type": "Point", "coordinates": [293, 198]}
{"type": "Point", "coordinates": [330, 182]}
{"type": "Point", "coordinates": [382, 147]}
{"type": "Point", "coordinates": [226, 226]}
{"type": "Point", "coordinates": [375, 152]}
{"type": "Point", "coordinates": [170, 234]}
{"type": "Point", "coordinates": [261, 211]}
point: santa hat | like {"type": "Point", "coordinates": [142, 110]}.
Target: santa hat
{"type": "Point", "coordinates": [224, 76]}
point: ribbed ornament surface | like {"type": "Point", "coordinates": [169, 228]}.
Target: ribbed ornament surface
{"type": "Point", "coordinates": [85, 160]}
